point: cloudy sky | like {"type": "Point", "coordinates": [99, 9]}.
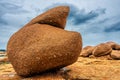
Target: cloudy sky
{"type": "Point", "coordinates": [97, 20]}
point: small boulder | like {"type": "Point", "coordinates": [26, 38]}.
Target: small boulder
{"type": "Point", "coordinates": [115, 54]}
{"type": "Point", "coordinates": [101, 50]}
{"type": "Point", "coordinates": [86, 51]}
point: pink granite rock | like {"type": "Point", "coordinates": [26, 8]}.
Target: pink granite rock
{"type": "Point", "coordinates": [43, 44]}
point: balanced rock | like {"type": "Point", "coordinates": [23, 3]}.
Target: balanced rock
{"type": "Point", "coordinates": [43, 44]}
{"type": "Point", "coordinates": [115, 54]}
{"type": "Point", "coordinates": [101, 50]}
{"type": "Point", "coordinates": [114, 45]}
{"type": "Point", "coordinates": [86, 51]}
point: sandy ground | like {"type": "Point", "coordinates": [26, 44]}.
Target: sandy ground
{"type": "Point", "coordinates": [83, 69]}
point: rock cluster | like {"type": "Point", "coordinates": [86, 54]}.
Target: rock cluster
{"type": "Point", "coordinates": [111, 49]}
{"type": "Point", "coordinates": [43, 44]}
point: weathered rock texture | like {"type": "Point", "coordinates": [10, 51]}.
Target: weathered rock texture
{"type": "Point", "coordinates": [42, 45]}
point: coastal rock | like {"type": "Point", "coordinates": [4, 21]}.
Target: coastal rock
{"type": "Point", "coordinates": [86, 51]}
{"type": "Point", "coordinates": [42, 45]}
{"type": "Point", "coordinates": [114, 45]}
{"type": "Point", "coordinates": [101, 49]}
{"type": "Point", "coordinates": [115, 54]}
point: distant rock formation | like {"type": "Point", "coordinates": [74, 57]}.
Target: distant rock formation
{"type": "Point", "coordinates": [43, 44]}
{"type": "Point", "coordinates": [109, 49]}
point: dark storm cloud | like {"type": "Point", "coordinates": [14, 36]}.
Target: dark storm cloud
{"type": "Point", "coordinates": [113, 28]}
{"type": "Point", "coordinates": [80, 16]}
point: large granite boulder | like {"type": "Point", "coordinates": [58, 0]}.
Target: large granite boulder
{"type": "Point", "coordinates": [43, 44]}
